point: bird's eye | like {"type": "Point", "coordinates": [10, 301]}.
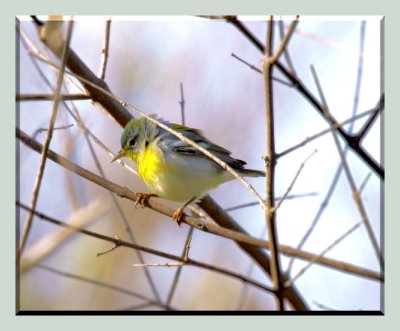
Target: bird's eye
{"type": "Point", "coordinates": [132, 142]}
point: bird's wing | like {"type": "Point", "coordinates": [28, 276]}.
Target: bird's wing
{"type": "Point", "coordinates": [167, 141]}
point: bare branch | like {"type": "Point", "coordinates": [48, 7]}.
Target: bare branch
{"type": "Point", "coordinates": [116, 245]}
{"type": "Point", "coordinates": [363, 131]}
{"type": "Point", "coordinates": [50, 97]}
{"type": "Point", "coordinates": [364, 183]}
{"type": "Point", "coordinates": [286, 52]}
{"type": "Point", "coordinates": [288, 197]}
{"type": "Point", "coordinates": [104, 50]}
{"type": "Point", "coordinates": [270, 158]}
{"type": "Point", "coordinates": [260, 71]}
{"type": "Point", "coordinates": [40, 130]}
{"type": "Point", "coordinates": [285, 40]}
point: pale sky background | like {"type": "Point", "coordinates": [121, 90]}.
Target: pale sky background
{"type": "Point", "coordinates": [148, 60]}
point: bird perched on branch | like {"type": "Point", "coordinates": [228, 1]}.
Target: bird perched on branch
{"type": "Point", "coordinates": [171, 168]}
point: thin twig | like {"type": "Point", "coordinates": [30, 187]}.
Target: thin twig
{"type": "Point", "coordinates": [180, 264]}
{"type": "Point", "coordinates": [260, 71]}
{"type": "Point", "coordinates": [251, 66]}
{"type": "Point", "coordinates": [116, 245]}
{"type": "Point", "coordinates": [357, 89]}
{"type": "Point", "coordinates": [104, 50]}
{"type": "Point", "coordinates": [363, 131]}
{"type": "Point", "coordinates": [356, 195]}
{"type": "Point", "coordinates": [286, 52]}
{"type": "Point", "coordinates": [289, 197]}
{"type": "Point", "coordinates": [364, 182]}
{"type": "Point", "coordinates": [40, 130]}
{"type": "Point", "coordinates": [148, 250]}
{"type": "Point", "coordinates": [326, 250]}
{"type": "Point", "coordinates": [285, 40]}
{"type": "Point", "coordinates": [270, 170]}
{"type": "Point", "coordinates": [185, 256]}
{"type": "Point", "coordinates": [43, 159]}
{"type": "Point", "coordinates": [292, 183]}
{"type": "Point", "coordinates": [50, 97]}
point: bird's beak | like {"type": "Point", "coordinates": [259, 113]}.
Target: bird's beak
{"type": "Point", "coordinates": [120, 154]}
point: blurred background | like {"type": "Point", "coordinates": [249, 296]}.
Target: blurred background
{"type": "Point", "coordinates": [149, 57]}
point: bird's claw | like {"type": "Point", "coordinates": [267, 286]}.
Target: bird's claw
{"type": "Point", "coordinates": [143, 198]}
{"type": "Point", "coordinates": [178, 215]}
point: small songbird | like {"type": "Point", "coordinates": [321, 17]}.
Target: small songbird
{"type": "Point", "coordinates": [173, 169]}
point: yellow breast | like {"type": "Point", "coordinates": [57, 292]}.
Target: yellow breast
{"type": "Point", "coordinates": [150, 164]}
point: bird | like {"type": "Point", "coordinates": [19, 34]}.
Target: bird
{"type": "Point", "coordinates": [171, 168]}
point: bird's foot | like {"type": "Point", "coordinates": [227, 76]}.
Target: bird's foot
{"type": "Point", "coordinates": [143, 198]}
{"type": "Point", "coordinates": [178, 215]}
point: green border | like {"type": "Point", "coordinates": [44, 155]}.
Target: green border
{"type": "Point", "coordinates": [339, 7]}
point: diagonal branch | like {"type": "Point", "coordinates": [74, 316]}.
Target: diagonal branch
{"type": "Point", "coordinates": [50, 97]}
